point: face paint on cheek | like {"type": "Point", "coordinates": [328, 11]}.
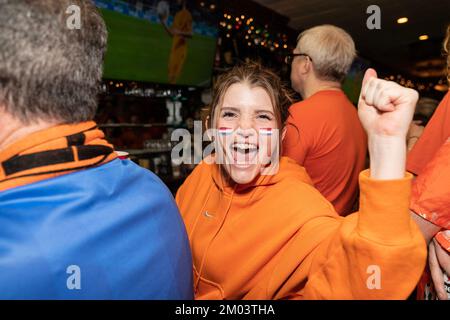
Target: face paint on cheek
{"type": "Point", "coordinates": [265, 135]}
{"type": "Point", "coordinates": [224, 131]}
{"type": "Point", "coordinates": [269, 145]}
{"type": "Point", "coordinates": [266, 131]}
{"type": "Point", "coordinates": [225, 138]}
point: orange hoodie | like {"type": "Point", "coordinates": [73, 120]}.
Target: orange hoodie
{"type": "Point", "coordinates": [278, 238]}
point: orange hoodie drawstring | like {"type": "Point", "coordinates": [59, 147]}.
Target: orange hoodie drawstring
{"type": "Point", "coordinates": [212, 239]}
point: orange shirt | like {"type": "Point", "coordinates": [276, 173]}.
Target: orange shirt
{"type": "Point", "coordinates": [183, 23]}
{"type": "Point", "coordinates": [325, 136]}
{"type": "Point", "coordinates": [278, 238]}
{"type": "Point", "coordinates": [430, 196]}
{"type": "Point", "coordinates": [423, 158]}
{"type": "Point", "coordinates": [435, 134]}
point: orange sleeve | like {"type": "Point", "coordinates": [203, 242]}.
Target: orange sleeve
{"type": "Point", "coordinates": [435, 134]}
{"type": "Point", "coordinates": [431, 192]}
{"type": "Point", "coordinates": [378, 253]}
{"type": "Point", "coordinates": [296, 142]}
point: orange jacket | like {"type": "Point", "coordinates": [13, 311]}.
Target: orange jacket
{"type": "Point", "coordinates": [279, 238]}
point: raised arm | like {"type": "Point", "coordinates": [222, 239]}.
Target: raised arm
{"type": "Point", "coordinates": [379, 252]}
{"type": "Point", "coordinates": [386, 110]}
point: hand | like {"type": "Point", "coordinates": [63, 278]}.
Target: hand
{"type": "Point", "coordinates": [385, 108]}
{"type": "Point", "coordinates": [439, 262]}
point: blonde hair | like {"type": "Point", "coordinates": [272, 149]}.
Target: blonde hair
{"type": "Point", "coordinates": [446, 48]}
{"type": "Point", "coordinates": [331, 49]}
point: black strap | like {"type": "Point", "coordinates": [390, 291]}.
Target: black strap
{"type": "Point", "coordinates": [52, 157]}
{"type": "Point", "coordinates": [76, 139]}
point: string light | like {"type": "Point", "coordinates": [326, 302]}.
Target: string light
{"type": "Point", "coordinates": [260, 35]}
{"type": "Point", "coordinates": [409, 83]}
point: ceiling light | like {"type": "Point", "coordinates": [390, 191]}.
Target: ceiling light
{"type": "Point", "coordinates": [423, 37]}
{"type": "Point", "coordinates": [402, 20]}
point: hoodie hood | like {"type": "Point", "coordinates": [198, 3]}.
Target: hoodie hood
{"type": "Point", "coordinates": [287, 168]}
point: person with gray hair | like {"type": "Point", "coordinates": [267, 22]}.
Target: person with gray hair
{"type": "Point", "coordinates": [76, 221]}
{"type": "Point", "coordinates": [324, 133]}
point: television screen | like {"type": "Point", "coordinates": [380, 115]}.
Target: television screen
{"type": "Point", "coordinates": [160, 41]}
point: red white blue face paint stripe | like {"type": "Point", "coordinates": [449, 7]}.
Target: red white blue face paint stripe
{"type": "Point", "coordinates": [265, 131]}
{"type": "Point", "coordinates": [224, 131]}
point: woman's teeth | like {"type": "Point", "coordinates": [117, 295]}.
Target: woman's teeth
{"type": "Point", "coordinates": [244, 147]}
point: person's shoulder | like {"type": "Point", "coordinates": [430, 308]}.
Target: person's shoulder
{"type": "Point", "coordinates": [445, 103]}
{"type": "Point", "coordinates": [295, 187]}
{"type": "Point", "coordinates": [447, 97]}
{"type": "Point", "coordinates": [314, 113]}
{"type": "Point", "coordinates": [318, 103]}
{"type": "Point", "coordinates": [134, 174]}
{"type": "Point", "coordinates": [299, 107]}
{"type": "Point", "coordinates": [303, 112]}
{"type": "Point", "coordinates": [296, 184]}
{"type": "Point", "coordinates": [200, 175]}
{"type": "Point", "coordinates": [305, 201]}
{"type": "Point", "coordinates": [128, 181]}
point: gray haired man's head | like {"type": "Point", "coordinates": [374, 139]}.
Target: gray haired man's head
{"type": "Point", "coordinates": [47, 70]}
{"type": "Point", "coordinates": [331, 49]}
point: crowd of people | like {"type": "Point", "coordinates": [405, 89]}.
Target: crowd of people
{"type": "Point", "coordinates": [311, 223]}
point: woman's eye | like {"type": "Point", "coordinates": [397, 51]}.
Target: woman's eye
{"type": "Point", "coordinates": [264, 117]}
{"type": "Point", "coordinates": [228, 114]}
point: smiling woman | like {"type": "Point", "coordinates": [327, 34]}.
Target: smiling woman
{"type": "Point", "coordinates": [258, 234]}
{"type": "Point", "coordinates": [251, 106]}
{"type": "Point", "coordinates": [246, 111]}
